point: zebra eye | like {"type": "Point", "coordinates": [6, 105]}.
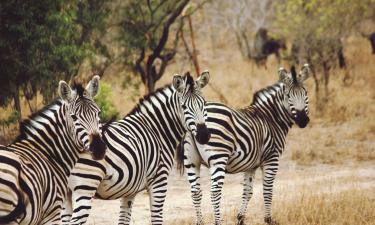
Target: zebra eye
{"type": "Point", "coordinates": [74, 117]}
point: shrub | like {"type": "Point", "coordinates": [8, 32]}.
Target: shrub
{"type": "Point", "coordinates": [108, 110]}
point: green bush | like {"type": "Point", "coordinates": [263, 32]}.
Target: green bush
{"type": "Point", "coordinates": [108, 110]}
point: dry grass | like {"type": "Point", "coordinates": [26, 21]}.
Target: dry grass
{"type": "Point", "coordinates": [348, 207]}
{"type": "Point", "coordinates": [344, 208]}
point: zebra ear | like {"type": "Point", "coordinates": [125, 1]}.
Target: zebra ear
{"type": "Point", "coordinates": [304, 74]}
{"type": "Point", "coordinates": [283, 74]}
{"type": "Point", "coordinates": [203, 79]}
{"type": "Point", "coordinates": [65, 92]}
{"type": "Point", "coordinates": [178, 83]}
{"type": "Point", "coordinates": [93, 86]}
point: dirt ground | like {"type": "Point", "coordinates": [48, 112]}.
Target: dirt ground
{"type": "Point", "coordinates": [291, 182]}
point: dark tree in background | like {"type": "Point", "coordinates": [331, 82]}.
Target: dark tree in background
{"type": "Point", "coordinates": [43, 41]}
{"type": "Point", "coordinates": [149, 34]}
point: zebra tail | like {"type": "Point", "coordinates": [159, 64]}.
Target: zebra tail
{"type": "Point", "coordinates": [18, 210]}
{"type": "Point", "coordinates": [180, 156]}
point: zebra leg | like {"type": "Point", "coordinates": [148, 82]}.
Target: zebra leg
{"type": "Point", "coordinates": [192, 163]}
{"type": "Point", "coordinates": [82, 202]}
{"type": "Point", "coordinates": [126, 210]}
{"type": "Point", "coordinates": [246, 195]}
{"type": "Point", "coordinates": [217, 171]}
{"type": "Point", "coordinates": [157, 192]}
{"type": "Point", "coordinates": [269, 172]}
{"type": "Point", "coordinates": [67, 210]}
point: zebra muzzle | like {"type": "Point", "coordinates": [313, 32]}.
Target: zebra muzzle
{"type": "Point", "coordinates": [203, 134]}
{"type": "Point", "coordinates": [97, 147]}
{"type": "Point", "coordinates": [301, 119]}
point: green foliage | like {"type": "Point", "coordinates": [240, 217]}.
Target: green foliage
{"type": "Point", "coordinates": [107, 108]}
{"type": "Point", "coordinates": [43, 41]}
{"type": "Point", "coordinates": [11, 119]}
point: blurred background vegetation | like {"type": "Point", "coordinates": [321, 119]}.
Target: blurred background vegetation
{"type": "Point", "coordinates": [132, 44]}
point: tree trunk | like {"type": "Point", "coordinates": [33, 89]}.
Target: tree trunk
{"type": "Point", "coordinates": [150, 84]}
{"type": "Point", "coordinates": [195, 57]}
{"type": "Point", "coordinates": [17, 104]}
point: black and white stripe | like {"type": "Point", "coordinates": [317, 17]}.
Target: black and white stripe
{"type": "Point", "coordinates": [34, 169]}
{"type": "Point", "coordinates": [141, 149]}
{"type": "Point", "coordinates": [246, 139]}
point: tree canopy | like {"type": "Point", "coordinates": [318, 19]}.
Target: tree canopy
{"type": "Point", "coordinates": [43, 41]}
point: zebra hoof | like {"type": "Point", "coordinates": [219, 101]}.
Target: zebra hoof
{"type": "Point", "coordinates": [270, 221]}
{"type": "Point", "coordinates": [240, 220]}
{"type": "Point", "coordinates": [199, 222]}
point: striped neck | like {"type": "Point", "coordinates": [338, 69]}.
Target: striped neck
{"type": "Point", "coordinates": [47, 132]}
{"type": "Point", "coordinates": [270, 104]}
{"type": "Point", "coordinates": [161, 110]}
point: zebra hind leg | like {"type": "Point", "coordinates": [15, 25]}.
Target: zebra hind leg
{"type": "Point", "coordinates": [126, 210]}
{"type": "Point", "coordinates": [246, 195]}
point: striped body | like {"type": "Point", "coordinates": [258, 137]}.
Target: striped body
{"type": "Point", "coordinates": [140, 154]}
{"type": "Point", "coordinates": [34, 169]}
{"type": "Point", "coordinates": [244, 140]}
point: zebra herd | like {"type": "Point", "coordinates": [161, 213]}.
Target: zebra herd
{"type": "Point", "coordinates": [64, 157]}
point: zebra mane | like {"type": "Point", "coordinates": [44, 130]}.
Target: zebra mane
{"type": "Point", "coordinates": [146, 98]}
{"type": "Point", "coordinates": [24, 124]}
{"type": "Point", "coordinates": [267, 93]}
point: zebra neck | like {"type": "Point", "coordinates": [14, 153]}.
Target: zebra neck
{"type": "Point", "coordinates": [47, 132]}
{"type": "Point", "coordinates": [161, 112]}
{"type": "Point", "coordinates": [269, 103]}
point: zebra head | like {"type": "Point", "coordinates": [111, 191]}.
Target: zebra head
{"type": "Point", "coordinates": [296, 100]}
{"type": "Point", "coordinates": [82, 116]}
{"type": "Point", "coordinates": [192, 104]}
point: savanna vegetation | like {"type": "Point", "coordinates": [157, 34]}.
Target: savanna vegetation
{"type": "Point", "coordinates": [136, 46]}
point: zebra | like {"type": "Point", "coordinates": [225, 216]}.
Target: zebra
{"type": "Point", "coordinates": [34, 169]}
{"type": "Point", "coordinates": [245, 139]}
{"type": "Point", "coordinates": [141, 149]}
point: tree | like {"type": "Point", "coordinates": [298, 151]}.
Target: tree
{"type": "Point", "coordinates": [41, 42]}
{"type": "Point", "coordinates": [244, 18]}
{"type": "Point", "coordinates": [317, 28]}
{"type": "Point", "coordinates": [145, 31]}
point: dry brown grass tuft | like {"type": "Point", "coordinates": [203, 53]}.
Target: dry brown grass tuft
{"type": "Point", "coordinates": [348, 207]}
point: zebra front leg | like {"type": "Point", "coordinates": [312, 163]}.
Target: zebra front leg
{"type": "Point", "coordinates": [126, 210]}
{"type": "Point", "coordinates": [82, 203]}
{"type": "Point", "coordinates": [246, 195]}
{"type": "Point", "coordinates": [157, 192]}
{"type": "Point", "coordinates": [269, 172]}
{"type": "Point", "coordinates": [67, 210]}
{"type": "Point", "coordinates": [192, 163]}
{"type": "Point", "coordinates": [217, 171]}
